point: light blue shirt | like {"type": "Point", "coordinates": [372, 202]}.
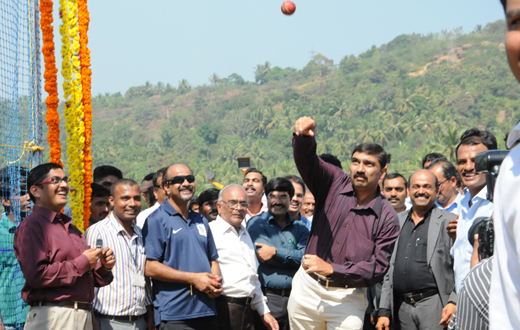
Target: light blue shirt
{"type": "Point", "coordinates": [462, 249]}
{"type": "Point", "coordinates": [455, 207]}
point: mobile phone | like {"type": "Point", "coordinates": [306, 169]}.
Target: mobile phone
{"type": "Point", "coordinates": [99, 243]}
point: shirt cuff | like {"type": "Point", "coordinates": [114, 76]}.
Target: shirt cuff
{"type": "Point", "coordinates": [384, 312]}
{"type": "Point", "coordinates": [261, 305]}
{"type": "Point", "coordinates": [82, 264]}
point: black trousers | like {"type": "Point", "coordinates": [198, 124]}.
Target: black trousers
{"type": "Point", "coordinates": [232, 316]}
{"type": "Point", "coordinates": [202, 323]}
{"type": "Point", "coordinates": [278, 306]}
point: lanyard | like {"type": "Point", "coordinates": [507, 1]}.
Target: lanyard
{"type": "Point", "coordinates": [134, 257]}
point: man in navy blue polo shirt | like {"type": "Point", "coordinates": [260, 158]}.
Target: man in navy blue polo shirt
{"type": "Point", "coordinates": [280, 243]}
{"type": "Point", "coordinates": [181, 258]}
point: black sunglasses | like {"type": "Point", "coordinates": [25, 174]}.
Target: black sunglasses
{"type": "Point", "coordinates": [180, 179]}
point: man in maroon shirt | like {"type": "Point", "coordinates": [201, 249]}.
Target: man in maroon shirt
{"type": "Point", "coordinates": [351, 242]}
{"type": "Point", "coordinates": [59, 268]}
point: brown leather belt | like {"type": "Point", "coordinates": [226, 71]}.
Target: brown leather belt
{"type": "Point", "coordinates": [131, 318]}
{"type": "Point", "coordinates": [64, 303]}
{"type": "Point", "coordinates": [326, 283]}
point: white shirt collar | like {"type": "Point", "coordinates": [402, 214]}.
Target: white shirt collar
{"type": "Point", "coordinates": [223, 226]}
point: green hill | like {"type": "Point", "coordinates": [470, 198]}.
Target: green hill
{"type": "Point", "coordinates": [414, 95]}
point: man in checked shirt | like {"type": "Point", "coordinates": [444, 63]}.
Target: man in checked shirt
{"type": "Point", "coordinates": [351, 242]}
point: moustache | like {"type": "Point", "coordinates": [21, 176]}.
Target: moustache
{"type": "Point", "coordinates": [274, 205]}
{"type": "Point", "coordinates": [360, 175]}
{"type": "Point", "coordinates": [186, 188]}
{"type": "Point", "coordinates": [213, 212]}
{"type": "Point", "coordinates": [251, 187]}
{"type": "Point", "coordinates": [421, 195]}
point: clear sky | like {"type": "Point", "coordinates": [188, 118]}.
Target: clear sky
{"type": "Point", "coordinates": [134, 41]}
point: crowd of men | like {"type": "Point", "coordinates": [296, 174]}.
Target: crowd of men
{"type": "Point", "coordinates": [326, 249]}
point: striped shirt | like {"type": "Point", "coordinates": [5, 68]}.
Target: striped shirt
{"type": "Point", "coordinates": [473, 306]}
{"type": "Point", "coordinates": [121, 298]}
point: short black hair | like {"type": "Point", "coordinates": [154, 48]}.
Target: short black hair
{"type": "Point", "coordinates": [207, 195]}
{"type": "Point", "coordinates": [148, 177]}
{"type": "Point", "coordinates": [503, 2]}
{"type": "Point", "coordinates": [432, 156]}
{"type": "Point", "coordinates": [5, 192]}
{"type": "Point", "coordinates": [474, 136]}
{"type": "Point", "coordinates": [38, 174]}
{"type": "Point", "coordinates": [252, 169]}
{"type": "Point", "coordinates": [297, 179]}
{"type": "Point", "coordinates": [99, 191]}
{"type": "Point", "coordinates": [126, 182]}
{"type": "Point", "coordinates": [331, 159]}
{"type": "Point", "coordinates": [373, 149]}
{"type": "Point", "coordinates": [103, 171]}
{"type": "Point", "coordinates": [448, 170]}
{"type": "Point", "coordinates": [194, 200]}
{"type": "Point", "coordinates": [395, 175]}
{"type": "Point", "coordinates": [159, 173]}
{"type": "Point", "coordinates": [279, 184]}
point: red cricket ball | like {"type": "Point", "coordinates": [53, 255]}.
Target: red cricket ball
{"type": "Point", "coordinates": [288, 7]}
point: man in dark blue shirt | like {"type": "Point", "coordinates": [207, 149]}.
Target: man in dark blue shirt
{"type": "Point", "coordinates": [280, 245]}
{"type": "Point", "coordinates": [181, 258]}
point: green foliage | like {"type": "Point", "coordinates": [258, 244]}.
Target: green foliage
{"type": "Point", "coordinates": [411, 95]}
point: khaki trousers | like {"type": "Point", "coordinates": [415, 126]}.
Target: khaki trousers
{"type": "Point", "coordinates": [58, 318]}
{"type": "Point", "coordinates": [312, 306]}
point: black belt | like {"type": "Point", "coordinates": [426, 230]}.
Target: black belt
{"type": "Point", "coordinates": [245, 301]}
{"type": "Point", "coordinates": [130, 318]}
{"type": "Point", "coordinates": [326, 283]}
{"type": "Point", "coordinates": [278, 292]}
{"type": "Point", "coordinates": [413, 298]}
{"type": "Point", "coordinates": [64, 303]}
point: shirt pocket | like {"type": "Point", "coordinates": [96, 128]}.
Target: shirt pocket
{"type": "Point", "coordinates": [420, 250]}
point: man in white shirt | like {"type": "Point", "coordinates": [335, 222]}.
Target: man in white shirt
{"type": "Point", "coordinates": [504, 309]}
{"type": "Point", "coordinates": [474, 203]}
{"type": "Point", "coordinates": [254, 183]}
{"type": "Point", "coordinates": [448, 197]}
{"type": "Point", "coordinates": [241, 289]}
{"type": "Point", "coordinates": [160, 196]}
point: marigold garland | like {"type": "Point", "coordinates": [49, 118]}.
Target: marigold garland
{"type": "Point", "coordinates": [51, 85]}
{"type": "Point", "coordinates": [73, 106]}
{"type": "Point", "coordinates": [86, 73]}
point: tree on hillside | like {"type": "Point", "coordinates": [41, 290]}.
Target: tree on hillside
{"type": "Point", "coordinates": [261, 72]}
{"type": "Point", "coordinates": [184, 87]}
{"type": "Point", "coordinates": [215, 80]}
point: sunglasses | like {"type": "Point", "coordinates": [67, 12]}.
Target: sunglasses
{"type": "Point", "coordinates": [55, 180]}
{"type": "Point", "coordinates": [180, 179]}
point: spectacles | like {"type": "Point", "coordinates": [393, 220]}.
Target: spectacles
{"type": "Point", "coordinates": [55, 180]}
{"type": "Point", "coordinates": [443, 182]}
{"type": "Point", "coordinates": [180, 179]}
{"type": "Point", "coordinates": [280, 197]}
{"type": "Point", "coordinates": [234, 204]}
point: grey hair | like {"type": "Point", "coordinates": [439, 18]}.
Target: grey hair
{"type": "Point", "coordinates": [221, 193]}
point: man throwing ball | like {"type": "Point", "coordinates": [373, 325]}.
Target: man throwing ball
{"type": "Point", "coordinates": [350, 244]}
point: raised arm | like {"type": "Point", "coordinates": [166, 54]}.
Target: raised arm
{"type": "Point", "coordinates": [317, 174]}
